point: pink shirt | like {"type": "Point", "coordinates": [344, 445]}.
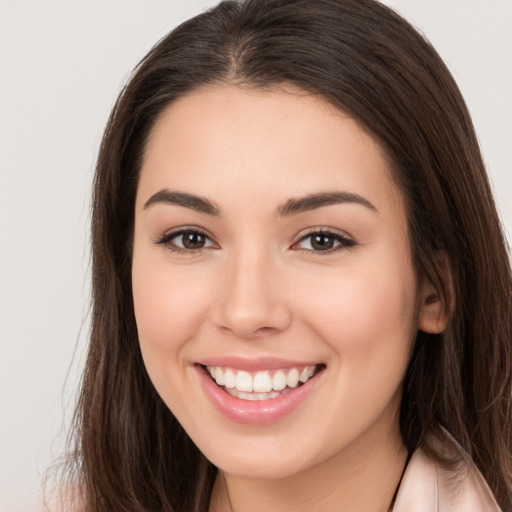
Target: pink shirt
{"type": "Point", "coordinates": [426, 487]}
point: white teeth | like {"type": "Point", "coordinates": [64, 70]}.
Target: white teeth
{"type": "Point", "coordinates": [307, 373]}
{"type": "Point", "coordinates": [293, 378]}
{"type": "Point", "coordinates": [279, 380]}
{"type": "Point", "coordinates": [229, 379]}
{"type": "Point", "coordinates": [253, 396]}
{"type": "Point", "coordinates": [262, 382]}
{"type": "Point", "coordinates": [243, 381]}
{"type": "Point", "coordinates": [304, 375]}
{"type": "Point", "coordinates": [219, 376]}
{"type": "Point", "coordinates": [260, 385]}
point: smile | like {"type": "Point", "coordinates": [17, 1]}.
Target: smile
{"type": "Point", "coordinates": [256, 396]}
{"type": "Point", "coordinates": [262, 385]}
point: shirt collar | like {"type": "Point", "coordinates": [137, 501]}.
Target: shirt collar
{"type": "Point", "coordinates": [427, 487]}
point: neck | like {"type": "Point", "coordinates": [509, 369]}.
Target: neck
{"type": "Point", "coordinates": [362, 477]}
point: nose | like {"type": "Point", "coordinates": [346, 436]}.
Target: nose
{"type": "Point", "coordinates": [251, 302]}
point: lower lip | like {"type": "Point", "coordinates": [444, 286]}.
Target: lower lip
{"type": "Point", "coordinates": [255, 412]}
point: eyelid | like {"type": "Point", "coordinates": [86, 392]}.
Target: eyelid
{"type": "Point", "coordinates": [165, 239]}
{"type": "Point", "coordinates": [345, 240]}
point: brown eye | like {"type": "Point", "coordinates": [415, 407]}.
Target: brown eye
{"type": "Point", "coordinates": [186, 240]}
{"type": "Point", "coordinates": [193, 240]}
{"type": "Point", "coordinates": [324, 241]}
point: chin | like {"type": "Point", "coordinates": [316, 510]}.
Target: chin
{"type": "Point", "coordinates": [259, 468]}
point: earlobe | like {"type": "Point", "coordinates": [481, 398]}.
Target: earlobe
{"type": "Point", "coordinates": [436, 307]}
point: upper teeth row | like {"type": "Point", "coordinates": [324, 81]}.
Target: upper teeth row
{"type": "Point", "coordinates": [260, 382]}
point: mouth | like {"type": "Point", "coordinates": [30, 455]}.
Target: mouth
{"type": "Point", "coordinates": [253, 396]}
{"type": "Point", "coordinates": [261, 385]}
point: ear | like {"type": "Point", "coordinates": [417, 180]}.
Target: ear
{"type": "Point", "coordinates": [435, 310]}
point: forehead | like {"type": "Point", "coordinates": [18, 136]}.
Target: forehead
{"type": "Point", "coordinates": [269, 143]}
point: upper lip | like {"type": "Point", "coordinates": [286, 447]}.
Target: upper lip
{"type": "Point", "coordinates": [254, 364]}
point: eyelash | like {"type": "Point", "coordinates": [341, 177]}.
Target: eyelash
{"type": "Point", "coordinates": [344, 242]}
{"type": "Point", "coordinates": [167, 238]}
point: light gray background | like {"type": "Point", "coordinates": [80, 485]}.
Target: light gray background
{"type": "Point", "coordinates": [61, 66]}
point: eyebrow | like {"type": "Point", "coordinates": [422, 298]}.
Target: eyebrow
{"type": "Point", "coordinates": [199, 204]}
{"type": "Point", "coordinates": [291, 207]}
{"type": "Point", "coordinates": [314, 201]}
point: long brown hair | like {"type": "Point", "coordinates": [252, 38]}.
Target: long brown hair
{"type": "Point", "coordinates": [130, 453]}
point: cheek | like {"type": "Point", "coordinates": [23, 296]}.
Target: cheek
{"type": "Point", "coordinates": [169, 308]}
{"type": "Point", "coordinates": [368, 320]}
{"type": "Point", "coordinates": [365, 309]}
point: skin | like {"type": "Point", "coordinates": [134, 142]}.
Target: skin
{"type": "Point", "coordinates": [259, 288]}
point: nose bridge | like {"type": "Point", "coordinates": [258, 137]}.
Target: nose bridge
{"type": "Point", "coordinates": [252, 301]}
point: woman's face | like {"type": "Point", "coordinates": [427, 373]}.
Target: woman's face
{"type": "Point", "coordinates": [271, 248]}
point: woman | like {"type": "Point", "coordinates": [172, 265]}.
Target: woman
{"type": "Point", "coordinates": [301, 290]}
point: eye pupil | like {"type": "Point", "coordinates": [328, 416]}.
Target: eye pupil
{"type": "Point", "coordinates": [322, 242]}
{"type": "Point", "coordinates": [193, 240]}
